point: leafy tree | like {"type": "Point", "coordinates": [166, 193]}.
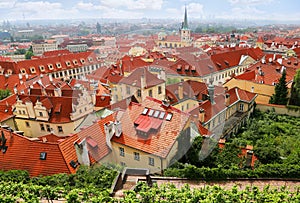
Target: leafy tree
{"type": "Point", "coordinates": [281, 91]}
{"type": "Point", "coordinates": [4, 93]}
{"type": "Point", "coordinates": [295, 95]}
{"type": "Point", "coordinates": [28, 55]}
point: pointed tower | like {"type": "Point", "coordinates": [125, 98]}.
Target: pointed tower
{"type": "Point", "coordinates": [185, 32]}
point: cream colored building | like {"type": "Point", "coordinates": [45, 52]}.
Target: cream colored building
{"type": "Point", "coordinates": [140, 83]}
{"type": "Point", "coordinates": [38, 115]}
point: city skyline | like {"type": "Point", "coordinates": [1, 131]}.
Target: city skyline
{"type": "Point", "coordinates": [273, 10]}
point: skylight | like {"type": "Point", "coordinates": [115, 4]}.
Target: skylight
{"type": "Point", "coordinates": [169, 116]}
{"type": "Point", "coordinates": [156, 114]}
{"type": "Point", "coordinates": [145, 111]}
{"type": "Point", "coordinates": [151, 112]}
{"type": "Point", "coordinates": [162, 115]}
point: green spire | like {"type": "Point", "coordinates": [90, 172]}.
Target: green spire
{"type": "Point", "coordinates": [185, 22]}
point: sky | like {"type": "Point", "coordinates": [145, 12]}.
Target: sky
{"type": "Point", "coordinates": [135, 9]}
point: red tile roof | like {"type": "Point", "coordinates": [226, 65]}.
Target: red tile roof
{"type": "Point", "coordinates": [158, 143]}
{"type": "Point", "coordinates": [24, 154]}
{"type": "Point", "coordinates": [96, 138]}
{"type": "Point", "coordinates": [6, 107]}
{"type": "Point", "coordinates": [134, 79]}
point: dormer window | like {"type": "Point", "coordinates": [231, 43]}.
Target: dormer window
{"type": "Point", "coordinates": [186, 68]}
{"type": "Point", "coordinates": [50, 66]}
{"type": "Point", "coordinates": [58, 65]}
{"type": "Point", "coordinates": [68, 63]}
{"type": "Point", "coordinates": [42, 68]}
{"type": "Point", "coordinates": [179, 68]}
{"type": "Point", "coordinates": [90, 59]}
{"type": "Point", "coordinates": [98, 58]}
{"type": "Point", "coordinates": [82, 61]}
{"type": "Point", "coordinates": [23, 71]}
{"type": "Point", "coordinates": [9, 71]}
{"type": "Point", "coordinates": [32, 70]}
{"type": "Point", "coordinates": [75, 62]}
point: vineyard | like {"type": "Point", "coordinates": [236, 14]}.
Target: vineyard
{"type": "Point", "coordinates": [11, 192]}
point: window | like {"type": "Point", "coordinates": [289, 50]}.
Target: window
{"type": "Point", "coordinates": [50, 66]}
{"type": "Point", "coordinates": [27, 124]}
{"type": "Point", "coordinates": [145, 111]}
{"type": "Point", "coordinates": [68, 63]}
{"type": "Point", "coordinates": [151, 161]}
{"type": "Point", "coordinates": [58, 65]}
{"type": "Point", "coordinates": [60, 129]}
{"type": "Point", "coordinates": [123, 163]}
{"type": "Point", "coordinates": [156, 114]}
{"type": "Point", "coordinates": [159, 90]}
{"type": "Point", "coordinates": [139, 93]}
{"type": "Point", "coordinates": [151, 112]}
{"type": "Point", "coordinates": [43, 155]}
{"type": "Point", "coordinates": [150, 93]}
{"type": "Point", "coordinates": [162, 115]}
{"type": "Point", "coordinates": [127, 90]}
{"type": "Point", "coordinates": [48, 128]}
{"type": "Point", "coordinates": [42, 127]}
{"type": "Point", "coordinates": [241, 107]}
{"type": "Point", "coordinates": [41, 114]}
{"type": "Point", "coordinates": [136, 156]}
{"type": "Point", "coordinates": [122, 151]}
{"type": "Point", "coordinates": [169, 116]}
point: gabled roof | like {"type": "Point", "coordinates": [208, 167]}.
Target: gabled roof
{"type": "Point", "coordinates": [134, 79]}
{"type": "Point", "coordinates": [96, 138]}
{"type": "Point", "coordinates": [24, 154]}
{"type": "Point", "coordinates": [6, 107]}
{"type": "Point", "coordinates": [61, 105]}
{"type": "Point", "coordinates": [158, 142]}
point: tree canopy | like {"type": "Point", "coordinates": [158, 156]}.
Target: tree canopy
{"type": "Point", "coordinates": [281, 91]}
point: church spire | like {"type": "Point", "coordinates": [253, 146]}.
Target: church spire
{"type": "Point", "coordinates": [185, 22]}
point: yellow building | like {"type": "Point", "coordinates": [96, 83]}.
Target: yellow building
{"type": "Point", "coordinates": [140, 83]}
{"type": "Point", "coordinates": [149, 135]}
{"type": "Point", "coordinates": [38, 115]}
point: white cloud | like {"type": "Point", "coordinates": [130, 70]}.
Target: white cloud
{"type": "Point", "coordinates": [195, 10]}
{"type": "Point", "coordinates": [249, 2]}
{"type": "Point", "coordinates": [4, 4]}
{"type": "Point", "coordinates": [134, 4]}
{"type": "Point", "coordinates": [39, 10]}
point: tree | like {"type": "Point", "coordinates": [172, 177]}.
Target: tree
{"type": "Point", "coordinates": [29, 53]}
{"type": "Point", "coordinates": [4, 93]}
{"type": "Point", "coordinates": [295, 95]}
{"type": "Point", "coordinates": [281, 91]}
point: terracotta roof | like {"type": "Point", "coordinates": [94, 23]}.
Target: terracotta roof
{"type": "Point", "coordinates": [232, 58]}
{"type": "Point", "coordinates": [134, 79]}
{"type": "Point", "coordinates": [56, 63]}
{"type": "Point", "coordinates": [191, 65]}
{"type": "Point", "coordinates": [61, 105]}
{"type": "Point", "coordinates": [24, 154]}
{"type": "Point", "coordinates": [96, 138]}
{"type": "Point", "coordinates": [6, 107]}
{"type": "Point", "coordinates": [158, 142]}
{"type": "Point", "coordinates": [129, 64]}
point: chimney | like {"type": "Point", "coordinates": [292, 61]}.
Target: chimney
{"type": "Point", "coordinates": [82, 152]}
{"type": "Point", "coordinates": [227, 99]}
{"type": "Point", "coordinates": [143, 81]}
{"type": "Point", "coordinates": [20, 76]}
{"type": "Point", "coordinates": [109, 132]}
{"type": "Point", "coordinates": [201, 115]}
{"type": "Point", "coordinates": [211, 92]}
{"type": "Point", "coordinates": [180, 91]}
{"type": "Point", "coordinates": [50, 78]}
{"type": "Point", "coordinates": [118, 128]}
